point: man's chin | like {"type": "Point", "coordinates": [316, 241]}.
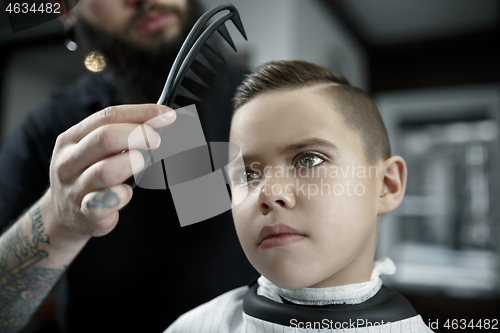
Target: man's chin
{"type": "Point", "coordinates": [138, 64]}
{"type": "Point", "coordinates": [153, 42]}
{"type": "Point", "coordinates": [148, 44]}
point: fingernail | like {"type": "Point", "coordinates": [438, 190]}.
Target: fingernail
{"type": "Point", "coordinates": [158, 140]}
{"type": "Point", "coordinates": [129, 189]}
{"type": "Point", "coordinates": [167, 113]}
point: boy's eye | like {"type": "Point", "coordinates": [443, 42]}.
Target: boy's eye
{"type": "Point", "coordinates": [309, 160]}
{"type": "Point", "coordinates": [248, 176]}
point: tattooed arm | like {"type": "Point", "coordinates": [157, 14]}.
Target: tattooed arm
{"type": "Point", "coordinates": [31, 262]}
{"type": "Point", "coordinates": [86, 192]}
{"type": "Point", "coordinates": [34, 253]}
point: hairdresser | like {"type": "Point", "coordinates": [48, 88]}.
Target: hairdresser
{"type": "Point", "coordinates": [61, 193]}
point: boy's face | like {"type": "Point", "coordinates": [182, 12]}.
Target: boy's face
{"type": "Point", "coordinates": [310, 217]}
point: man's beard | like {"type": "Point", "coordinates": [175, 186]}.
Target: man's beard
{"type": "Point", "coordinates": [139, 73]}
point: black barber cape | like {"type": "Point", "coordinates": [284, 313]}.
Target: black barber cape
{"type": "Point", "coordinates": [148, 270]}
{"type": "Point", "coordinates": [242, 310]}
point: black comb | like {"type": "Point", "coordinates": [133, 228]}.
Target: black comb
{"type": "Point", "coordinates": [190, 51]}
{"type": "Point", "coordinates": [198, 37]}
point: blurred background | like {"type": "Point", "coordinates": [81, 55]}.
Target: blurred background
{"type": "Point", "coordinates": [433, 69]}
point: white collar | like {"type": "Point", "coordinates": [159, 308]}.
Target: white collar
{"type": "Point", "coordinates": [346, 294]}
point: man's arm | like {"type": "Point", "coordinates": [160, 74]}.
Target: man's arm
{"type": "Point", "coordinates": [87, 171]}
{"type": "Point", "coordinates": [31, 262]}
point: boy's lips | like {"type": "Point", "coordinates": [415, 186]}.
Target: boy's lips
{"type": "Point", "coordinates": [154, 21]}
{"type": "Point", "coordinates": [278, 235]}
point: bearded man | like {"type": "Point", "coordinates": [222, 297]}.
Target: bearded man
{"type": "Point", "coordinates": [130, 270]}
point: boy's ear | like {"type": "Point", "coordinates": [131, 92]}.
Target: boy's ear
{"type": "Point", "coordinates": [393, 184]}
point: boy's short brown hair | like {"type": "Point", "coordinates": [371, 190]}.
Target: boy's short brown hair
{"type": "Point", "coordinates": [357, 108]}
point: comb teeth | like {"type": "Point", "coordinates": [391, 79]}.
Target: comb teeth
{"type": "Point", "coordinates": [238, 24]}
{"type": "Point", "coordinates": [204, 62]}
{"type": "Point", "coordinates": [195, 78]}
{"type": "Point", "coordinates": [225, 34]}
{"type": "Point", "coordinates": [186, 93]}
{"type": "Point", "coordinates": [213, 47]}
{"type": "Point", "coordinates": [190, 51]}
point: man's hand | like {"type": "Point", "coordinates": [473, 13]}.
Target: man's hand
{"type": "Point", "coordinates": [86, 191]}
{"type": "Point", "coordinates": [88, 166]}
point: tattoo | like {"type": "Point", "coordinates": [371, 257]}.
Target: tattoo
{"type": "Point", "coordinates": [37, 227]}
{"type": "Point", "coordinates": [23, 283]}
{"type": "Point", "coordinates": [104, 199]}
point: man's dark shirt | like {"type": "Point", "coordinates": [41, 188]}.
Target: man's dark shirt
{"type": "Point", "coordinates": [148, 270]}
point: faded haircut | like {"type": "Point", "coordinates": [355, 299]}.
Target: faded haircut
{"type": "Point", "coordinates": [358, 110]}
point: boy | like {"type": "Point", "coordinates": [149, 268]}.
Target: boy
{"type": "Point", "coordinates": [318, 175]}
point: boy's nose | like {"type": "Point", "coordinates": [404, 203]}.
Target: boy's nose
{"type": "Point", "coordinates": [275, 196]}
